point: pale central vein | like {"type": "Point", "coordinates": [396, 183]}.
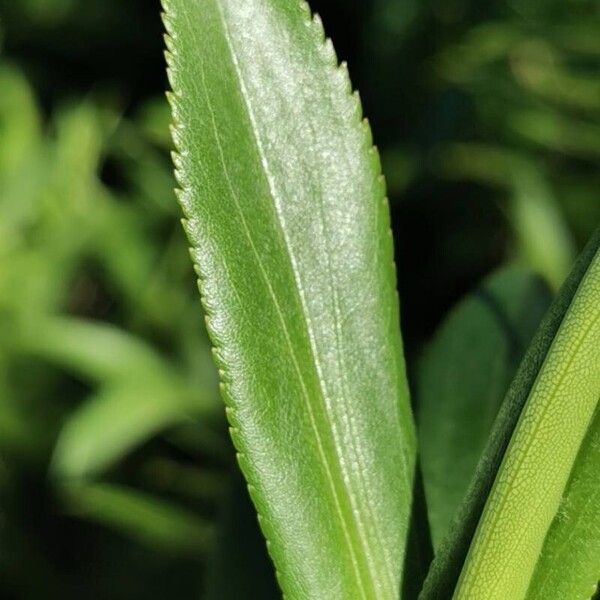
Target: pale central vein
{"type": "Point", "coordinates": [306, 316]}
{"type": "Point", "coordinates": [281, 317]}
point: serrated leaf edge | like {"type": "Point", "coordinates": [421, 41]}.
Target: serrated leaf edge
{"type": "Point", "coordinates": [338, 70]}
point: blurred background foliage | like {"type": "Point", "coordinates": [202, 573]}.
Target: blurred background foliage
{"type": "Point", "coordinates": [117, 479]}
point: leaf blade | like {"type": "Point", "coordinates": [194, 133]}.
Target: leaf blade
{"type": "Point", "coordinates": [112, 422]}
{"type": "Point", "coordinates": [293, 222]}
{"type": "Point", "coordinates": [540, 455]}
{"type": "Point", "coordinates": [143, 517]}
{"type": "Point", "coordinates": [462, 378]}
{"type": "Point", "coordinates": [569, 565]}
{"type": "Point", "coordinates": [447, 565]}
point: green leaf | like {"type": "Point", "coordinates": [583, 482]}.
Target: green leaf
{"type": "Point", "coordinates": [462, 379]}
{"type": "Point", "coordinates": [286, 212]}
{"type": "Point", "coordinates": [536, 218]}
{"type": "Point", "coordinates": [147, 519]}
{"type": "Point", "coordinates": [553, 130]}
{"type": "Point", "coordinates": [141, 393]}
{"type": "Point", "coordinates": [535, 469]}
{"type": "Point", "coordinates": [20, 122]}
{"type": "Point", "coordinates": [94, 349]}
{"type": "Point", "coordinates": [112, 422]}
{"type": "Point", "coordinates": [569, 566]}
{"type": "Point", "coordinates": [567, 319]}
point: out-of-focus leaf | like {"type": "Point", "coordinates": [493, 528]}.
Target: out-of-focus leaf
{"type": "Point", "coordinates": [47, 13]}
{"type": "Point", "coordinates": [537, 67]}
{"type": "Point", "coordinates": [535, 64]}
{"type": "Point", "coordinates": [113, 421]}
{"type": "Point", "coordinates": [78, 149]}
{"type": "Point", "coordinates": [170, 476]}
{"type": "Point", "coordinates": [569, 565]}
{"type": "Point", "coordinates": [580, 36]}
{"type": "Point", "coordinates": [239, 566]}
{"type": "Point", "coordinates": [536, 218]}
{"type": "Point", "coordinates": [552, 130]}
{"type": "Point", "coordinates": [483, 44]}
{"type": "Point", "coordinates": [141, 393]}
{"type": "Point", "coordinates": [144, 518]}
{"type": "Point", "coordinates": [154, 119]}
{"type": "Point", "coordinates": [286, 213]}
{"type": "Point", "coordinates": [96, 350]}
{"type": "Point", "coordinates": [462, 379]}
{"type": "Point", "coordinates": [146, 169]}
{"type": "Point", "coordinates": [19, 121]}
{"type": "Point", "coordinates": [557, 444]}
{"type": "Point", "coordinates": [47, 209]}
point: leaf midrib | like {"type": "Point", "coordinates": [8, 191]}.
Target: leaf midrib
{"type": "Point", "coordinates": [306, 317]}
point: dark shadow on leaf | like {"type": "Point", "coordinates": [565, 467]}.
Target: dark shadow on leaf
{"type": "Point", "coordinates": [419, 550]}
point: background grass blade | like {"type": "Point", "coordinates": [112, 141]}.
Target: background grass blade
{"type": "Point", "coordinates": [114, 421]}
{"type": "Point", "coordinates": [147, 519]}
{"type": "Point", "coordinates": [141, 393]}
{"type": "Point", "coordinates": [463, 377]}
{"type": "Point", "coordinates": [94, 350]}
{"type": "Point", "coordinates": [448, 563]}
{"type": "Point", "coordinates": [286, 212]}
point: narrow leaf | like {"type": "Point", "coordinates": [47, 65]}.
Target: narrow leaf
{"type": "Point", "coordinates": [533, 209]}
{"type": "Point", "coordinates": [20, 122]}
{"type": "Point", "coordinates": [112, 422]}
{"type": "Point", "coordinates": [569, 566]}
{"type": "Point", "coordinates": [566, 317]}
{"type": "Point", "coordinates": [147, 519]}
{"type": "Point", "coordinates": [286, 212]}
{"type": "Point", "coordinates": [463, 377]}
{"type": "Point", "coordinates": [93, 349]}
{"type": "Point", "coordinates": [536, 466]}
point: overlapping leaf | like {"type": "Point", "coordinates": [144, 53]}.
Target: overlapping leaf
{"type": "Point", "coordinates": [463, 377]}
{"type": "Point", "coordinates": [569, 565]}
{"type": "Point", "coordinates": [535, 468]}
{"type": "Point", "coordinates": [496, 541]}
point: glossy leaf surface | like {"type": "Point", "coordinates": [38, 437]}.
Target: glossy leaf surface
{"type": "Point", "coordinates": [286, 213]}
{"type": "Point", "coordinates": [463, 377]}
